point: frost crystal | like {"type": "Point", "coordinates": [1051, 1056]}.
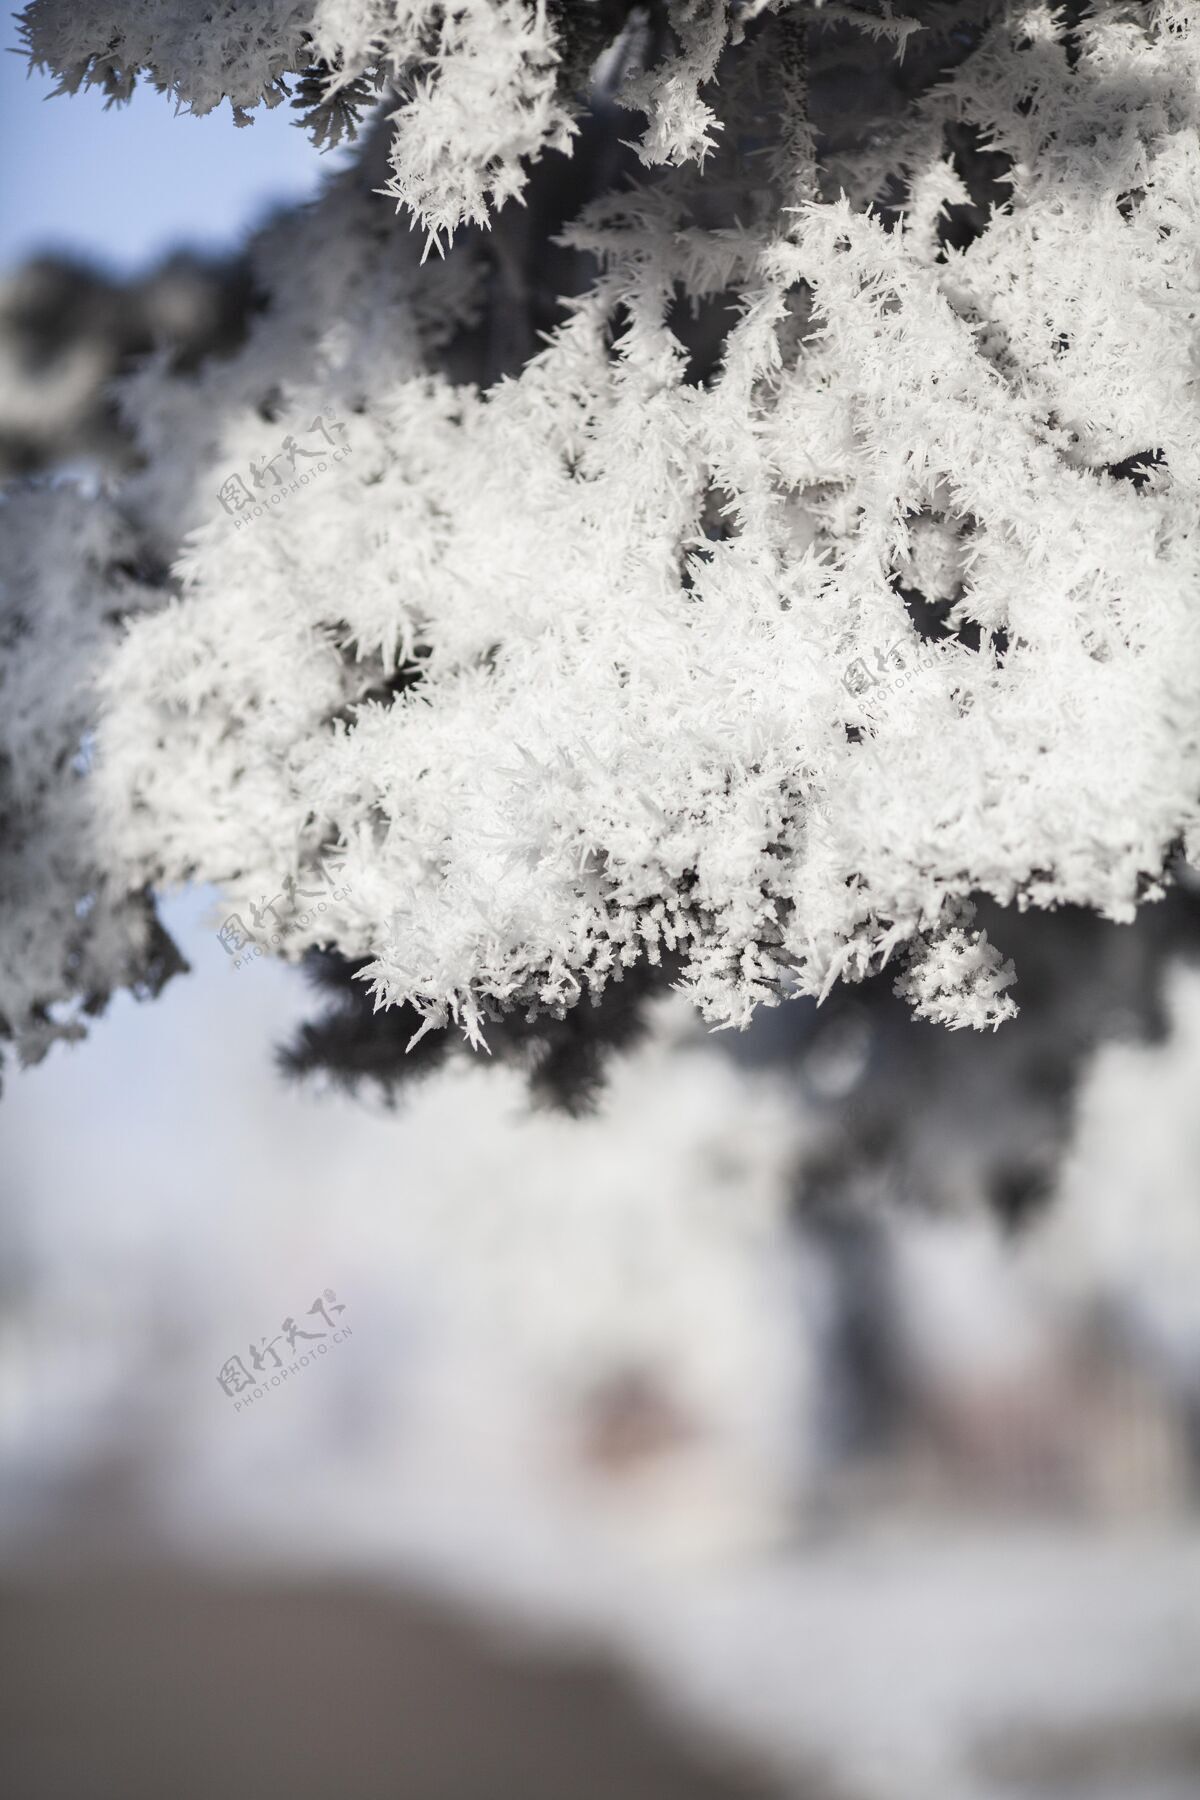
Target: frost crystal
{"type": "Point", "coordinates": [887, 332]}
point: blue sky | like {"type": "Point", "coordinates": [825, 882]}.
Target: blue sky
{"type": "Point", "coordinates": [123, 186]}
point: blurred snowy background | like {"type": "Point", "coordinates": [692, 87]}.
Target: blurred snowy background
{"type": "Point", "coordinates": [839, 1384]}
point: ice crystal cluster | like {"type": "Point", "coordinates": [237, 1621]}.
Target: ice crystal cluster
{"type": "Point", "coordinates": [657, 382]}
